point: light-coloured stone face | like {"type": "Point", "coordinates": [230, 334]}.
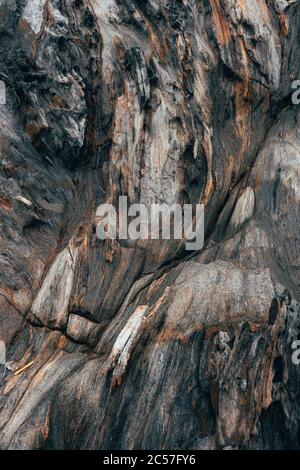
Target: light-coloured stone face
{"type": "Point", "coordinates": [244, 208]}
{"type": "Point", "coordinates": [33, 14]}
{"type": "Point", "coordinates": [2, 352]}
{"type": "Point", "coordinates": [52, 301]}
{"type": "Point", "coordinates": [281, 160]}
{"type": "Point", "coordinates": [218, 293]}
{"type": "Point", "coordinates": [244, 12]}
{"type": "Point", "coordinates": [79, 328]}
{"type": "Point", "coordinates": [2, 93]}
{"type": "Point", "coordinates": [282, 5]}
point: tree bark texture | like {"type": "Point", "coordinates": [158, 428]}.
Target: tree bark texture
{"type": "Point", "coordinates": [183, 101]}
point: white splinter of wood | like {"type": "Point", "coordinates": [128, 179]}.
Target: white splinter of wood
{"type": "Point", "coordinates": [24, 200]}
{"type": "Point", "coordinates": [126, 340]}
{"type": "Point", "coordinates": [244, 208]}
{"type": "Point", "coordinates": [3, 362]}
{"type": "Point", "coordinates": [2, 352]}
{"type": "Point", "coordinates": [33, 14]}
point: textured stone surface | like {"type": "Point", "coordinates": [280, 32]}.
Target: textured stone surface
{"type": "Point", "coordinates": [142, 344]}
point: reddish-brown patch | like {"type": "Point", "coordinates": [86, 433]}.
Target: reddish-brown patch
{"type": "Point", "coordinates": [161, 47]}
{"type": "Point", "coordinates": [62, 342]}
{"type": "Point", "coordinates": [24, 26]}
{"type": "Point", "coordinates": [242, 114]}
{"type": "Point", "coordinates": [112, 249]}
{"type": "Point", "coordinates": [58, 102]}
{"type": "Point", "coordinates": [46, 426]}
{"type": "Point", "coordinates": [242, 102]}
{"type": "Point", "coordinates": [158, 304]}
{"type": "Point", "coordinates": [172, 335]}
{"type": "Point", "coordinates": [221, 24]}
{"type": "Point", "coordinates": [154, 286]}
{"type": "Point", "coordinates": [5, 204]}
{"type": "Point", "coordinates": [208, 192]}
{"type": "Point", "coordinates": [211, 331]}
{"type": "Point", "coordinates": [255, 327]}
{"type": "Point", "coordinates": [33, 129]}
{"type": "Point", "coordinates": [283, 25]}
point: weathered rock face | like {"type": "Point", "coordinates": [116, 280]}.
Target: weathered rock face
{"type": "Point", "coordinates": [144, 345]}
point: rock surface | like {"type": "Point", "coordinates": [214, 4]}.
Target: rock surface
{"type": "Point", "coordinates": [145, 345]}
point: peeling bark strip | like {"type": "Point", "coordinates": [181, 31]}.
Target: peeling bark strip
{"type": "Point", "coordinates": [141, 344]}
{"type": "Point", "coordinates": [125, 343]}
